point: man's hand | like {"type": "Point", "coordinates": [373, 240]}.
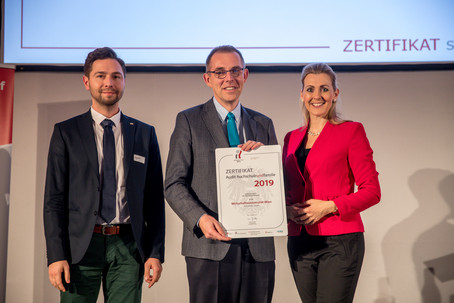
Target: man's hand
{"type": "Point", "coordinates": [250, 145]}
{"type": "Point", "coordinates": [152, 264]}
{"type": "Point", "coordinates": [55, 274]}
{"type": "Point", "coordinates": [212, 229]}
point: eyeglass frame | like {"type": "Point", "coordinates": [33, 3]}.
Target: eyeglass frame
{"type": "Point", "coordinates": [218, 73]}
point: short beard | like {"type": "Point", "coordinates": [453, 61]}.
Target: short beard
{"type": "Point", "coordinates": [109, 102]}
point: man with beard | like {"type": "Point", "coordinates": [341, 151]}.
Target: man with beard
{"type": "Point", "coordinates": [103, 202]}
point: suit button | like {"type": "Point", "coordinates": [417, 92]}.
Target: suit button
{"type": "Point", "coordinates": [95, 213]}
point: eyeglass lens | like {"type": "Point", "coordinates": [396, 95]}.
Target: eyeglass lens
{"type": "Point", "coordinates": [221, 74]}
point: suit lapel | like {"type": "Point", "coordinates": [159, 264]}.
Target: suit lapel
{"type": "Point", "coordinates": [296, 140]}
{"type": "Point", "coordinates": [87, 135]}
{"type": "Point", "coordinates": [211, 119]}
{"type": "Point", "coordinates": [319, 143]}
{"type": "Point", "coordinates": [249, 124]}
{"type": "Point", "coordinates": [128, 129]}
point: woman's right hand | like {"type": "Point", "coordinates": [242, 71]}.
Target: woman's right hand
{"type": "Point", "coordinates": [294, 212]}
{"type": "Point", "coordinates": [311, 211]}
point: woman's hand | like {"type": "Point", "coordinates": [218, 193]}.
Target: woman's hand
{"type": "Point", "coordinates": [294, 212]}
{"type": "Point", "coordinates": [311, 211]}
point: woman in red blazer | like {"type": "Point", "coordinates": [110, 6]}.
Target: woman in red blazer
{"type": "Point", "coordinates": [323, 161]}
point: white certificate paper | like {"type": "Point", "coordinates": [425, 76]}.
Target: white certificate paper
{"type": "Point", "coordinates": [250, 187]}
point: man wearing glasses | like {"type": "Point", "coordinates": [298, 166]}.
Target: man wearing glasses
{"type": "Point", "coordinates": [219, 269]}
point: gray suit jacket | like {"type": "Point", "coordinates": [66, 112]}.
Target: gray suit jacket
{"type": "Point", "coordinates": [190, 184]}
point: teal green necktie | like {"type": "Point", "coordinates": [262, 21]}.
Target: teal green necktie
{"type": "Point", "coordinates": [232, 131]}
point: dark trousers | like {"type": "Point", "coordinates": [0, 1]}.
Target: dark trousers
{"type": "Point", "coordinates": [326, 268]}
{"type": "Point", "coordinates": [113, 260]}
{"type": "Point", "coordinates": [238, 278]}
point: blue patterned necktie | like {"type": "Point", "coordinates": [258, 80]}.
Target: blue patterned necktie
{"type": "Point", "coordinates": [109, 180]}
{"type": "Point", "coordinates": [232, 131]}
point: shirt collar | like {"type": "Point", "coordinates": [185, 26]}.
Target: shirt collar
{"type": "Point", "coordinates": [98, 118]}
{"type": "Point", "coordinates": [222, 112]}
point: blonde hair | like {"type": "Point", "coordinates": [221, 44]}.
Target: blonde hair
{"type": "Point", "coordinates": [321, 68]}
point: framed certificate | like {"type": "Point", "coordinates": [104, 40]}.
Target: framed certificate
{"type": "Point", "coordinates": [250, 188]}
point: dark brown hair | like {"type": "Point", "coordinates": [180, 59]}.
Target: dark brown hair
{"type": "Point", "coordinates": [99, 54]}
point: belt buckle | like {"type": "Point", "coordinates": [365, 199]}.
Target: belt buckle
{"type": "Point", "coordinates": [103, 229]}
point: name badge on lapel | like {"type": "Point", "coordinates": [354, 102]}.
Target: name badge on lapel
{"type": "Point", "coordinates": [139, 159]}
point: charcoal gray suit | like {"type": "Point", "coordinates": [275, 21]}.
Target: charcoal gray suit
{"type": "Point", "coordinates": [190, 184]}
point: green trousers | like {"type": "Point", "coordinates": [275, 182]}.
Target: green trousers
{"type": "Point", "coordinates": [115, 262]}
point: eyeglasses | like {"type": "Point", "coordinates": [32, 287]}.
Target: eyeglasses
{"type": "Point", "coordinates": [221, 74]}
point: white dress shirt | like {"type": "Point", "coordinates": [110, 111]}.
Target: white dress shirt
{"type": "Point", "coordinates": [122, 212]}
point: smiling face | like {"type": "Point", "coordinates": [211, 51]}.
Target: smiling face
{"type": "Point", "coordinates": [227, 91]}
{"type": "Point", "coordinates": [318, 95]}
{"type": "Point", "coordinates": [106, 84]}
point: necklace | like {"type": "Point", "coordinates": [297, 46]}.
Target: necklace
{"type": "Point", "coordinates": [313, 134]}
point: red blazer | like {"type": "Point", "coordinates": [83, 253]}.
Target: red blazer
{"type": "Point", "coordinates": [340, 157]}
